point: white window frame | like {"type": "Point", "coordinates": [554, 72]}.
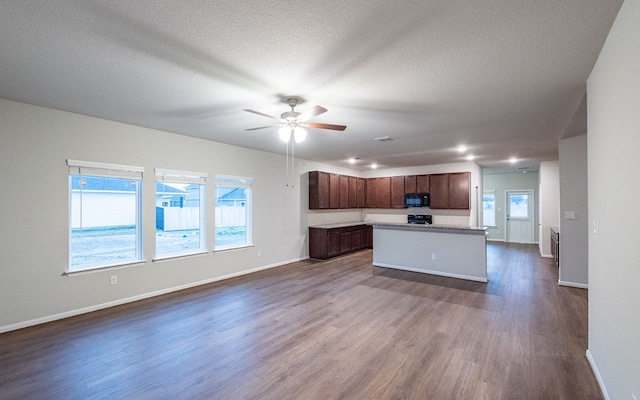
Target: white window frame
{"type": "Point", "coordinates": [186, 177]}
{"type": "Point", "coordinates": [492, 192]}
{"type": "Point", "coordinates": [247, 184]}
{"type": "Point", "coordinates": [106, 170]}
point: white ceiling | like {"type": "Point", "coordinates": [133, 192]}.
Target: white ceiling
{"type": "Point", "coordinates": [503, 77]}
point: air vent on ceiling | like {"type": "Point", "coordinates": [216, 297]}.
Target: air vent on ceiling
{"type": "Point", "coordinates": [383, 139]}
{"type": "Point", "coordinates": [524, 168]}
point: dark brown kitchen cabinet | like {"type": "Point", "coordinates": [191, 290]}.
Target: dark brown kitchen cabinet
{"type": "Point", "coordinates": [422, 184]}
{"type": "Point", "coordinates": [410, 184]}
{"type": "Point", "coordinates": [439, 190]}
{"type": "Point", "coordinates": [326, 243]}
{"type": "Point", "coordinates": [368, 236]}
{"type": "Point", "coordinates": [334, 191]}
{"type": "Point", "coordinates": [353, 192]}
{"type": "Point", "coordinates": [397, 191]}
{"type": "Point", "coordinates": [371, 191]}
{"type": "Point", "coordinates": [361, 201]}
{"type": "Point", "coordinates": [384, 192]}
{"type": "Point", "coordinates": [459, 190]}
{"type": "Point", "coordinates": [345, 241]}
{"type": "Point", "coordinates": [555, 245]}
{"type": "Point", "coordinates": [344, 191]}
{"type": "Point", "coordinates": [318, 190]}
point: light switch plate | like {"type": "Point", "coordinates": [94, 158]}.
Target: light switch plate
{"type": "Point", "coordinates": [569, 215]}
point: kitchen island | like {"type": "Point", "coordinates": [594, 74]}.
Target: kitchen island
{"type": "Point", "coordinates": [452, 251]}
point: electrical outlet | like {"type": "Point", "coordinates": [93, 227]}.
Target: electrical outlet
{"type": "Point", "coordinates": [114, 279]}
{"type": "Point", "coordinates": [595, 226]}
{"type": "Point", "coordinates": [433, 256]}
{"type": "Point", "coordinates": [259, 253]}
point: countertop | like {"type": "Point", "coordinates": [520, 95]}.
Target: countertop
{"type": "Point", "coordinates": [340, 225]}
{"type": "Point", "coordinates": [434, 228]}
{"type": "Point", "coordinates": [418, 227]}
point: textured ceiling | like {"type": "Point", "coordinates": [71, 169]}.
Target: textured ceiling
{"type": "Point", "coordinates": [503, 77]}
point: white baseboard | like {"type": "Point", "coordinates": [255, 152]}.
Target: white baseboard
{"type": "Point", "coordinates": [594, 368]}
{"type": "Point", "coordinates": [573, 284]}
{"type": "Point", "coordinates": [495, 240]}
{"type": "Point", "coordinates": [546, 255]}
{"type": "Point", "coordinates": [426, 271]}
{"type": "Point", "coordinates": [84, 310]}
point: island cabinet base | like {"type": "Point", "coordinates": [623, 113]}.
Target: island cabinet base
{"type": "Point", "coordinates": [454, 253]}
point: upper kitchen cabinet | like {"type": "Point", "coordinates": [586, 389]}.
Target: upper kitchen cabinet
{"type": "Point", "coordinates": [397, 191]}
{"type": "Point", "coordinates": [450, 190]}
{"type": "Point", "coordinates": [410, 184]}
{"type": "Point", "coordinates": [344, 191]}
{"type": "Point", "coordinates": [459, 190]}
{"type": "Point", "coordinates": [334, 191]}
{"type": "Point", "coordinates": [361, 200]}
{"type": "Point", "coordinates": [371, 190]}
{"type": "Point", "coordinates": [353, 192]}
{"type": "Point", "coordinates": [318, 190]}
{"type": "Point", "coordinates": [384, 192]}
{"type": "Point", "coordinates": [439, 190]}
{"type": "Point", "coordinates": [422, 184]}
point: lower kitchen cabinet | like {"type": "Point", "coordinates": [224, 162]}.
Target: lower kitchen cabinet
{"type": "Point", "coordinates": [330, 242]}
{"type": "Point", "coordinates": [555, 245]}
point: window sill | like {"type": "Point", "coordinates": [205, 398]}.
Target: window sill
{"type": "Point", "coordinates": [93, 270]}
{"type": "Point", "coordinates": [244, 246]}
{"type": "Point", "coordinates": [182, 255]}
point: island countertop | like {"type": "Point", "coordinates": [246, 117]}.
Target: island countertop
{"type": "Point", "coordinates": [470, 230]}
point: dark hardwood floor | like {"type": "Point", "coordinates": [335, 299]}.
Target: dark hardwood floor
{"type": "Point", "coordinates": [337, 329]}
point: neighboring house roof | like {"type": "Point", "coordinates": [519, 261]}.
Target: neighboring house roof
{"type": "Point", "coordinates": [162, 188]}
{"type": "Point", "coordinates": [232, 193]}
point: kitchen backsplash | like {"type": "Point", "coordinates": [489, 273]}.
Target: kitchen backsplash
{"type": "Point", "coordinates": [440, 217]}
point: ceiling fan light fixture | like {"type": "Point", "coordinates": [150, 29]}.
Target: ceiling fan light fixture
{"type": "Point", "coordinates": [299, 134]}
{"type": "Point", "coordinates": [284, 133]}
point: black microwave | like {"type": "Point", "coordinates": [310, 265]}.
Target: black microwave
{"type": "Point", "coordinates": [416, 200]}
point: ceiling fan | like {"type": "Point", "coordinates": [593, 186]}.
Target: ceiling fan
{"type": "Point", "coordinates": [293, 122]}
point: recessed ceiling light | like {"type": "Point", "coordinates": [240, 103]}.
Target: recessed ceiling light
{"type": "Point", "coordinates": [513, 160]}
{"type": "Point", "coordinates": [353, 160]}
{"type": "Point", "coordinates": [374, 166]}
{"type": "Point", "coordinates": [462, 148]}
{"type": "Point", "coordinates": [470, 157]}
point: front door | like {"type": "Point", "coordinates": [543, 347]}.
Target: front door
{"type": "Point", "coordinates": [520, 216]}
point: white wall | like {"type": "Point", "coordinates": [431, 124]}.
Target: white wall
{"type": "Point", "coordinates": [34, 239]}
{"type": "Point", "coordinates": [549, 204]}
{"type": "Point", "coordinates": [513, 181]}
{"type": "Point", "coordinates": [574, 249]}
{"type": "Point", "coordinates": [614, 190]}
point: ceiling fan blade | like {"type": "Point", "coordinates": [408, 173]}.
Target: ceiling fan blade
{"type": "Point", "coordinates": [261, 113]}
{"type": "Point", "coordinates": [310, 113]}
{"type": "Point", "coordinates": [261, 127]}
{"type": "Point", "coordinates": [326, 126]}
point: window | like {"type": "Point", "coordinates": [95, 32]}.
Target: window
{"type": "Point", "coordinates": [233, 212]}
{"type": "Point", "coordinates": [180, 212]}
{"type": "Point", "coordinates": [489, 208]}
{"type": "Point", "coordinates": [105, 218]}
{"type": "Point", "coordinates": [518, 206]}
